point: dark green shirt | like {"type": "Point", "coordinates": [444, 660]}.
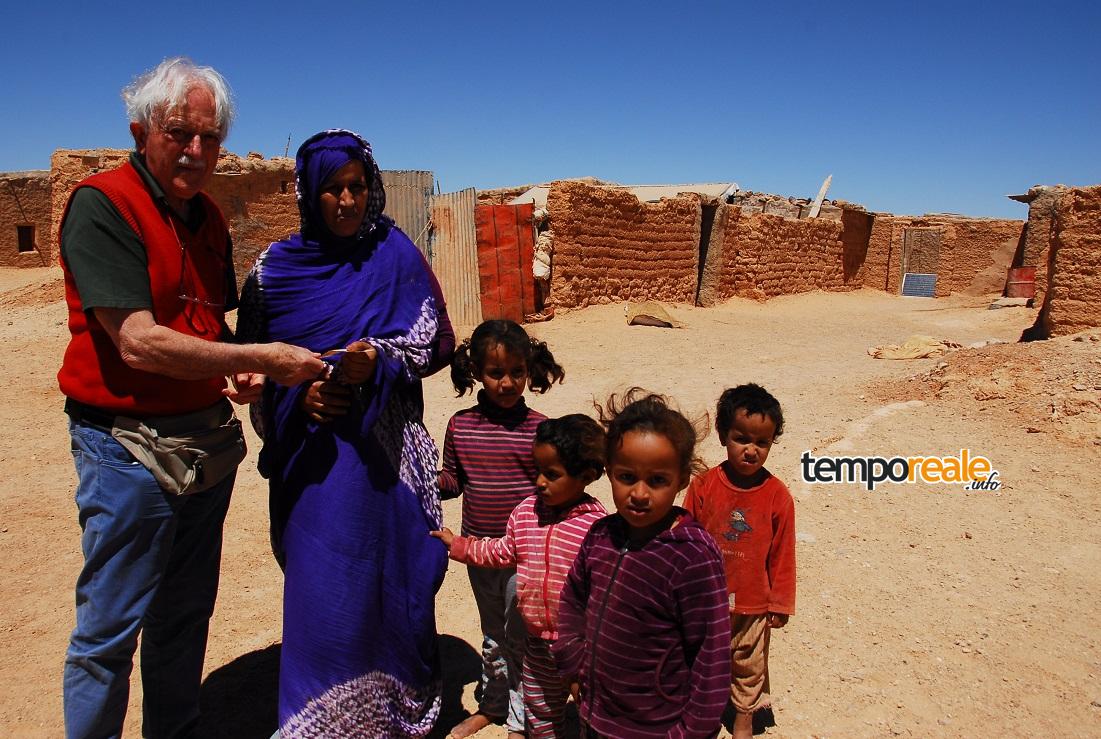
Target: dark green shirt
{"type": "Point", "coordinates": [108, 260]}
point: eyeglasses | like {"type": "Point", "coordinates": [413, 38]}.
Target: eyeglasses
{"type": "Point", "coordinates": [188, 282]}
{"type": "Point", "coordinates": [184, 136]}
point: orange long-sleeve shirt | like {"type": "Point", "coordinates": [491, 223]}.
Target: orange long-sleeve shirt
{"type": "Point", "coordinates": [754, 529]}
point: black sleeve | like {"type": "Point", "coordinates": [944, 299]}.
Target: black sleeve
{"type": "Point", "coordinates": [106, 258]}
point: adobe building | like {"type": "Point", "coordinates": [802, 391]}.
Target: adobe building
{"type": "Point", "coordinates": [694, 245]}
{"type": "Point", "coordinates": [1042, 203]}
{"type": "Point", "coordinates": [1072, 300]}
{"type": "Point", "coordinates": [25, 233]}
{"type": "Point", "coordinates": [697, 249]}
{"type": "Point", "coordinates": [967, 255]}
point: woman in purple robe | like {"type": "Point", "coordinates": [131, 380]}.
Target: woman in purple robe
{"type": "Point", "coordinates": [351, 468]}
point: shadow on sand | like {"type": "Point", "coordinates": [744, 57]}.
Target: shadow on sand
{"type": "Point", "coordinates": [240, 698]}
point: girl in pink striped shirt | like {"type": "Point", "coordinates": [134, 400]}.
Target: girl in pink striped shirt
{"type": "Point", "coordinates": [487, 457]}
{"type": "Point", "coordinates": [543, 535]}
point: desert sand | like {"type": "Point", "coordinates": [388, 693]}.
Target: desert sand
{"type": "Point", "coordinates": [922, 610]}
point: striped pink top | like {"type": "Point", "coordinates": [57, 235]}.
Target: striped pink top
{"type": "Point", "coordinates": [541, 542]}
{"type": "Point", "coordinates": [487, 459]}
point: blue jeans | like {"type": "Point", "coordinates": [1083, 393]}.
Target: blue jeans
{"type": "Point", "coordinates": [151, 564]}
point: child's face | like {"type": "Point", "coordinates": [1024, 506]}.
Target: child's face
{"type": "Point", "coordinates": [555, 486]}
{"type": "Point", "coordinates": [748, 442]}
{"type": "Point", "coordinates": [504, 375]}
{"type": "Point", "coordinates": [645, 473]}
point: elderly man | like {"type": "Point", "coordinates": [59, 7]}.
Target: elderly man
{"type": "Point", "coordinates": [148, 278]}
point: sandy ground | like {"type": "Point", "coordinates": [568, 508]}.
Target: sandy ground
{"type": "Point", "coordinates": [922, 610]}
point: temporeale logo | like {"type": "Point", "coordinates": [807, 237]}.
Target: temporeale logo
{"type": "Point", "coordinates": [973, 472]}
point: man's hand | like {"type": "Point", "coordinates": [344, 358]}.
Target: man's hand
{"type": "Point", "coordinates": [245, 388]}
{"type": "Point", "coordinates": [291, 365]}
{"type": "Point", "coordinates": [324, 400]}
{"type": "Point", "coordinates": [358, 363]}
{"type": "Point", "coordinates": [777, 620]}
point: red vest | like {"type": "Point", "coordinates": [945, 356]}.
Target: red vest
{"type": "Point", "coordinates": [92, 371]}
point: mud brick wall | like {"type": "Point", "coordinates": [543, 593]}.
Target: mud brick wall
{"type": "Point", "coordinates": [856, 232]}
{"type": "Point", "coordinates": [880, 255]}
{"type": "Point", "coordinates": [759, 256]}
{"type": "Point", "coordinates": [67, 168]}
{"type": "Point", "coordinates": [1038, 232]}
{"type": "Point", "coordinates": [258, 200]}
{"type": "Point", "coordinates": [1073, 300]}
{"type": "Point", "coordinates": [975, 253]}
{"type": "Point", "coordinates": [977, 260]}
{"type": "Point", "coordinates": [609, 247]}
{"type": "Point", "coordinates": [25, 201]}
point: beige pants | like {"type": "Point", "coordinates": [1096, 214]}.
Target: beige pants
{"type": "Point", "coordinates": [749, 661]}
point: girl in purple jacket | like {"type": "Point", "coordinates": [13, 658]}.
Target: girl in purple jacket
{"type": "Point", "coordinates": [644, 626]}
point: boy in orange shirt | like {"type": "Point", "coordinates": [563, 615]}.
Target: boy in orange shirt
{"type": "Point", "coordinates": [751, 516]}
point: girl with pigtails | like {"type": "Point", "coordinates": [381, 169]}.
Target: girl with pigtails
{"type": "Point", "coordinates": [487, 458]}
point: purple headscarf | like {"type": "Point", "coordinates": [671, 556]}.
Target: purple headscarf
{"type": "Point", "coordinates": [318, 159]}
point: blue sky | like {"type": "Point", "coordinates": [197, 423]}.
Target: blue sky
{"type": "Point", "coordinates": [913, 107]}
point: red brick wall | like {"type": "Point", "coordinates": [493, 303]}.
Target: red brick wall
{"type": "Point", "coordinates": [609, 247]}
{"type": "Point", "coordinates": [1073, 300]}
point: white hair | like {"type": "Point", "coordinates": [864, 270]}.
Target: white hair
{"type": "Point", "coordinates": [166, 86]}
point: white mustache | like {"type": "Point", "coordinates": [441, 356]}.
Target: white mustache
{"type": "Point", "coordinates": [189, 161]}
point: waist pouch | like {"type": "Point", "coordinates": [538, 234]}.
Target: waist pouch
{"type": "Point", "coordinates": [182, 459]}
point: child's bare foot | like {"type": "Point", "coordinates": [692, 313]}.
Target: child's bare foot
{"type": "Point", "coordinates": [743, 726]}
{"type": "Point", "coordinates": [471, 725]}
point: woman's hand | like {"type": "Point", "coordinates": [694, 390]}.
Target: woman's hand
{"type": "Point", "coordinates": [358, 363]}
{"type": "Point", "coordinates": [446, 535]}
{"type": "Point", "coordinates": [244, 388]}
{"type": "Point", "coordinates": [324, 400]}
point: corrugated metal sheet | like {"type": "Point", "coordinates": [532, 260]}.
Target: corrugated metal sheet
{"type": "Point", "coordinates": [454, 249]}
{"type": "Point", "coordinates": [407, 194]}
{"type": "Point", "coordinates": [506, 242]}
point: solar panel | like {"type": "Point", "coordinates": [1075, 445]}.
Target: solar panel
{"type": "Point", "coordinates": [918, 285]}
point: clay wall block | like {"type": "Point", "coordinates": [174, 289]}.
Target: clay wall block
{"type": "Point", "coordinates": [609, 247]}
{"type": "Point", "coordinates": [1073, 300]}
{"type": "Point", "coordinates": [979, 255]}
{"type": "Point", "coordinates": [25, 227]}
{"type": "Point", "coordinates": [67, 168]}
